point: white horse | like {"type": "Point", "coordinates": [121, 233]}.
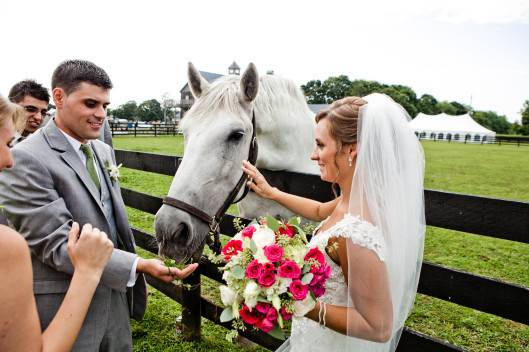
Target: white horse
{"type": "Point", "coordinates": [217, 133]}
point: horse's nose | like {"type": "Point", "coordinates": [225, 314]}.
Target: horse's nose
{"type": "Point", "coordinates": [180, 235]}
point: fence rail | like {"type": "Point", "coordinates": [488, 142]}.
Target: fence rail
{"type": "Point", "coordinates": [479, 215]}
{"type": "Point", "coordinates": [155, 130]}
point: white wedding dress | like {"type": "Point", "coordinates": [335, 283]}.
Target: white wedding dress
{"type": "Point", "coordinates": [308, 335]}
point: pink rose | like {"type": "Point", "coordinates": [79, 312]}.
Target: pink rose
{"type": "Point", "coordinates": [288, 230]}
{"type": "Point", "coordinates": [315, 253]}
{"type": "Point", "coordinates": [318, 290]}
{"type": "Point", "coordinates": [289, 269]}
{"type": "Point", "coordinates": [248, 231]}
{"type": "Point", "coordinates": [263, 307]}
{"type": "Point", "coordinates": [253, 269]}
{"type": "Point", "coordinates": [231, 248]}
{"type": "Point", "coordinates": [317, 279]}
{"type": "Point", "coordinates": [266, 278]}
{"type": "Point", "coordinates": [286, 315]}
{"type": "Point", "coordinates": [268, 267]}
{"type": "Point", "coordinates": [271, 315]}
{"type": "Point", "coordinates": [298, 290]}
{"type": "Point", "coordinates": [266, 325]}
{"type": "Point", "coordinates": [273, 253]}
{"type": "Point", "coordinates": [249, 317]}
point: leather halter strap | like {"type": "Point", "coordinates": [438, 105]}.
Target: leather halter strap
{"type": "Point", "coordinates": [214, 221]}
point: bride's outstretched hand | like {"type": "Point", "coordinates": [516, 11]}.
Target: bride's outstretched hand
{"type": "Point", "coordinates": [257, 182]}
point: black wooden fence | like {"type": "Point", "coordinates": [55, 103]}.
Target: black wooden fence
{"type": "Point", "coordinates": [479, 215]}
{"type": "Point", "coordinates": [155, 129]}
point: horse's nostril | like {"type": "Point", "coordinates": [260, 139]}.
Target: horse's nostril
{"type": "Point", "coordinates": [181, 235]}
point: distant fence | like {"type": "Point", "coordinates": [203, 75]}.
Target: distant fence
{"type": "Point", "coordinates": [157, 129]}
{"type": "Point", "coordinates": [477, 139]}
{"type": "Point", "coordinates": [479, 215]}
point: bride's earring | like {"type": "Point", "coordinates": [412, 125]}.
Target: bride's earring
{"type": "Point", "coordinates": [350, 161]}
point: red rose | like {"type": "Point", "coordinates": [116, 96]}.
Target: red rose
{"type": "Point", "coordinates": [253, 269]}
{"type": "Point", "coordinates": [286, 315]}
{"type": "Point", "coordinates": [248, 231]}
{"type": "Point", "coordinates": [231, 248]}
{"type": "Point", "coordinates": [273, 253]}
{"type": "Point", "coordinates": [268, 267]}
{"type": "Point", "coordinates": [289, 269]}
{"type": "Point", "coordinates": [298, 290]}
{"type": "Point", "coordinates": [315, 253]}
{"type": "Point", "coordinates": [266, 278]}
{"type": "Point", "coordinates": [288, 230]}
{"type": "Point", "coordinates": [251, 317]}
{"type": "Point", "coordinates": [271, 315]}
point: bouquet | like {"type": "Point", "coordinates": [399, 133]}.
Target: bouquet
{"type": "Point", "coordinates": [271, 275]}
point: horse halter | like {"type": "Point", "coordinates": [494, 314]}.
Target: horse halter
{"type": "Point", "coordinates": [214, 221]}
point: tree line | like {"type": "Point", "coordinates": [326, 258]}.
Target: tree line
{"type": "Point", "coordinates": [337, 87]}
{"type": "Point", "coordinates": [149, 110]}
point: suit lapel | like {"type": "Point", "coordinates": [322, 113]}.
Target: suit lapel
{"type": "Point", "coordinates": [58, 142]}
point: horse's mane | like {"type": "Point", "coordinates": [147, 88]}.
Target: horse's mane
{"type": "Point", "coordinates": [275, 94]}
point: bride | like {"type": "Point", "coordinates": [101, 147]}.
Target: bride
{"type": "Point", "coordinates": [372, 234]}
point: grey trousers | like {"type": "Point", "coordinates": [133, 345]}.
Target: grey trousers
{"type": "Point", "coordinates": [104, 329]}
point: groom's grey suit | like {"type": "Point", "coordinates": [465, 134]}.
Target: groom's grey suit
{"type": "Point", "coordinates": [47, 189]}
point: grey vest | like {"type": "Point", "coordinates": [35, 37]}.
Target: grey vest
{"type": "Point", "coordinates": [108, 205]}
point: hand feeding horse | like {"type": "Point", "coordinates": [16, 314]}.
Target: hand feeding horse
{"type": "Point", "coordinates": [219, 131]}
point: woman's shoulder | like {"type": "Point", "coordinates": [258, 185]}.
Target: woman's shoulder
{"type": "Point", "coordinates": [13, 246]}
{"type": "Point", "coordinates": [359, 231]}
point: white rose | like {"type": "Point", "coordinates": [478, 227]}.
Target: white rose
{"type": "Point", "coordinates": [263, 237]}
{"type": "Point", "coordinates": [251, 291]}
{"type": "Point", "coordinates": [260, 256]}
{"type": "Point", "coordinates": [227, 295]}
{"type": "Point", "coordinates": [284, 283]}
{"type": "Point", "coordinates": [301, 308]}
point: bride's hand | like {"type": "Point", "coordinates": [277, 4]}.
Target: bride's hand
{"type": "Point", "coordinates": [257, 182]}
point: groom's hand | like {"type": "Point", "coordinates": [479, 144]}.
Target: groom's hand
{"type": "Point", "coordinates": [157, 269]}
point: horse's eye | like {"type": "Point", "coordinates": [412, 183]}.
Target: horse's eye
{"type": "Point", "coordinates": [235, 136]}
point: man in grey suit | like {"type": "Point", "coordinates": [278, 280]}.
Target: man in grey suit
{"type": "Point", "coordinates": [60, 175]}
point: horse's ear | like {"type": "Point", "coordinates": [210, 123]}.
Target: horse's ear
{"type": "Point", "coordinates": [250, 83]}
{"type": "Point", "coordinates": [197, 83]}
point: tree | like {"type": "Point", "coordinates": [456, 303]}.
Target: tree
{"type": "Point", "coordinates": [427, 104]}
{"type": "Point", "coordinates": [314, 92]}
{"type": "Point", "coordinates": [460, 108]}
{"type": "Point", "coordinates": [168, 107]}
{"type": "Point", "coordinates": [447, 108]}
{"type": "Point", "coordinates": [361, 88]}
{"type": "Point", "coordinates": [492, 121]}
{"type": "Point", "coordinates": [336, 88]}
{"type": "Point", "coordinates": [150, 110]}
{"type": "Point", "coordinates": [525, 118]}
{"type": "Point", "coordinates": [125, 111]}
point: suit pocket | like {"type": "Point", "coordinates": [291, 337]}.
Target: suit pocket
{"type": "Point", "coordinates": [47, 287]}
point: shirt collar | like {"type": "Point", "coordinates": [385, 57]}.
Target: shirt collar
{"type": "Point", "coordinates": [76, 145]}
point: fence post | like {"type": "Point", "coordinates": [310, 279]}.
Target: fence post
{"type": "Point", "coordinates": [191, 312]}
{"type": "Point", "coordinates": [134, 130]}
{"type": "Point", "coordinates": [155, 130]}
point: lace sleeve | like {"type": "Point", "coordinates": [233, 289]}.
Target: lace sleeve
{"type": "Point", "coordinates": [360, 232]}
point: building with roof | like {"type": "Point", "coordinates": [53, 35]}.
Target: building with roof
{"type": "Point", "coordinates": [443, 127]}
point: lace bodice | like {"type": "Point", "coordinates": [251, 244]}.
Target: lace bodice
{"type": "Point", "coordinates": [361, 233]}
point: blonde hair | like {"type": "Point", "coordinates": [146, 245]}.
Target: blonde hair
{"type": "Point", "coordinates": [15, 112]}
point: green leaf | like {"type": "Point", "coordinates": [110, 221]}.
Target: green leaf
{"type": "Point", "coordinates": [307, 278]}
{"type": "Point", "coordinates": [226, 315]}
{"type": "Point", "coordinates": [277, 333]}
{"type": "Point", "coordinates": [253, 246]}
{"type": "Point", "coordinates": [238, 272]}
{"type": "Point", "coordinates": [294, 221]}
{"type": "Point", "coordinates": [301, 233]}
{"type": "Point", "coordinates": [272, 223]}
{"type": "Point", "coordinates": [306, 268]}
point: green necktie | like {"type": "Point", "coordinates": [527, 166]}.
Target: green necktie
{"type": "Point", "coordinates": [90, 166]}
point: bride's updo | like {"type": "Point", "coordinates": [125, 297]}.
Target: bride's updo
{"type": "Point", "coordinates": [9, 110]}
{"type": "Point", "coordinates": [343, 117]}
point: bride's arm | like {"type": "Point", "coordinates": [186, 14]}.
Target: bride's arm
{"type": "Point", "coordinates": [307, 208]}
{"type": "Point", "coordinates": [371, 317]}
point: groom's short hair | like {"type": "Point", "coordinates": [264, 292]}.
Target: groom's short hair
{"type": "Point", "coordinates": [71, 73]}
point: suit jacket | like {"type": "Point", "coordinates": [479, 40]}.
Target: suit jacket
{"type": "Point", "coordinates": [47, 189]}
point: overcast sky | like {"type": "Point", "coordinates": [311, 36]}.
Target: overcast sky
{"type": "Point", "coordinates": [469, 51]}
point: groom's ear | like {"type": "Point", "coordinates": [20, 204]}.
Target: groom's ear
{"type": "Point", "coordinates": [58, 95]}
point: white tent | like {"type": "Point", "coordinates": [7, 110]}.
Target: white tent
{"type": "Point", "coordinates": [461, 128]}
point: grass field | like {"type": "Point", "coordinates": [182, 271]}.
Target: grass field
{"type": "Point", "coordinates": [489, 170]}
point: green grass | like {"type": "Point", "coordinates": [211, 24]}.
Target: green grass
{"type": "Point", "coordinates": [489, 170]}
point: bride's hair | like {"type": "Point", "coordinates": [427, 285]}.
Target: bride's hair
{"type": "Point", "coordinates": [343, 118]}
{"type": "Point", "coordinates": [12, 111]}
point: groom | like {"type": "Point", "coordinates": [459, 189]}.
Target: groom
{"type": "Point", "coordinates": [62, 175]}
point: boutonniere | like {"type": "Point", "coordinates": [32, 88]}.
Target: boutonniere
{"type": "Point", "coordinates": [113, 171]}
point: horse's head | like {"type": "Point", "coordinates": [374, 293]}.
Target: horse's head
{"type": "Point", "coordinates": [218, 132]}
